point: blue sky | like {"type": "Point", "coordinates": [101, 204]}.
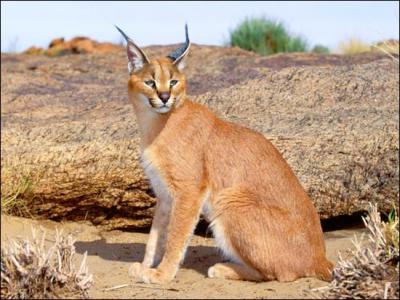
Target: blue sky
{"type": "Point", "coordinates": [24, 24]}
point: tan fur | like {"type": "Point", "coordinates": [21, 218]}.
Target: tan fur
{"type": "Point", "coordinates": [263, 220]}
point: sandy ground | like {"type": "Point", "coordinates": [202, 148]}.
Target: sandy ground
{"type": "Point", "coordinates": [110, 253]}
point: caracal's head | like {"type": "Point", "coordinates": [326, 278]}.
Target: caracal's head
{"type": "Point", "coordinates": [158, 85]}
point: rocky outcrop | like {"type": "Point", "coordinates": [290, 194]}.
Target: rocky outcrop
{"type": "Point", "coordinates": [77, 45]}
{"type": "Point", "coordinates": [68, 128]}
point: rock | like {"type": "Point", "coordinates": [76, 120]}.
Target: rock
{"type": "Point", "coordinates": [82, 46]}
{"type": "Point", "coordinates": [69, 130]}
{"type": "Point", "coordinates": [57, 50]}
{"type": "Point", "coordinates": [34, 51]}
{"type": "Point", "coordinates": [56, 41]}
{"type": "Point", "coordinates": [77, 45]}
{"type": "Point", "coordinates": [103, 48]}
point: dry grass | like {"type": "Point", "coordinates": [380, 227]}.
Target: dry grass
{"type": "Point", "coordinates": [389, 47]}
{"type": "Point", "coordinates": [12, 200]}
{"type": "Point", "coordinates": [372, 270]}
{"type": "Point", "coordinates": [32, 270]}
{"type": "Point", "coordinates": [353, 46]}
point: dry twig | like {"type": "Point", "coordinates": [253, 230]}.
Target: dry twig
{"type": "Point", "coordinates": [372, 271]}
{"type": "Point", "coordinates": [32, 270]}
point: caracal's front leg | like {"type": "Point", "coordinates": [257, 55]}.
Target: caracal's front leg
{"type": "Point", "coordinates": [183, 219]}
{"type": "Point", "coordinates": [155, 246]}
{"type": "Point", "coordinates": [158, 233]}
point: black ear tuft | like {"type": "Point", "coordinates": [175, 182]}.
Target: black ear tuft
{"type": "Point", "coordinates": [136, 57]}
{"type": "Point", "coordinates": [181, 51]}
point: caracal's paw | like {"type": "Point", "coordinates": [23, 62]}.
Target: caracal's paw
{"type": "Point", "coordinates": [141, 273]}
{"type": "Point", "coordinates": [156, 276]}
{"type": "Point", "coordinates": [218, 271]}
{"type": "Point", "coordinates": [136, 271]}
{"type": "Point", "coordinates": [212, 272]}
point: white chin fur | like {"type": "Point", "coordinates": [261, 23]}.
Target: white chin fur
{"type": "Point", "coordinates": [163, 110]}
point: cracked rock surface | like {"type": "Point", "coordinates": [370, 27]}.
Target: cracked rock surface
{"type": "Point", "coordinates": [67, 127]}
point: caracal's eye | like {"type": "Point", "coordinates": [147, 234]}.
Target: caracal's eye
{"type": "Point", "coordinates": [173, 82]}
{"type": "Point", "coordinates": [150, 83]}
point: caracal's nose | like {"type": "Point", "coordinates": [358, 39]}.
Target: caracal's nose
{"type": "Point", "coordinates": [164, 96]}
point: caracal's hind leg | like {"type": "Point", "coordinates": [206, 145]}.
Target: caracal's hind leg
{"type": "Point", "coordinates": [267, 237]}
{"type": "Point", "coordinates": [234, 271]}
{"type": "Point", "coordinates": [229, 203]}
{"type": "Point", "coordinates": [240, 233]}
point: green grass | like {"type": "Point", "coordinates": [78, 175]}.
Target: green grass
{"type": "Point", "coordinates": [321, 49]}
{"type": "Point", "coordinates": [391, 230]}
{"type": "Point", "coordinates": [266, 37]}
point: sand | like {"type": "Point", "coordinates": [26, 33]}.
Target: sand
{"type": "Point", "coordinates": [110, 254]}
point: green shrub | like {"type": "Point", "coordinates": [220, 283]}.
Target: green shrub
{"type": "Point", "coordinates": [321, 49]}
{"type": "Point", "coordinates": [265, 37]}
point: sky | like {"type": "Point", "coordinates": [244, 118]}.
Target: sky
{"type": "Point", "coordinates": [36, 23]}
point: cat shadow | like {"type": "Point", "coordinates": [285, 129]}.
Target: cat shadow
{"type": "Point", "coordinates": [198, 258]}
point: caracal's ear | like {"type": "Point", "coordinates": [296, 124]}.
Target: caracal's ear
{"type": "Point", "coordinates": [179, 55]}
{"type": "Point", "coordinates": [136, 56]}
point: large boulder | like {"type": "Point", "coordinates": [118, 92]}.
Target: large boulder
{"type": "Point", "coordinates": [68, 130]}
{"type": "Point", "coordinates": [77, 45]}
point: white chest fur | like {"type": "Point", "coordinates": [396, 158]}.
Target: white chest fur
{"type": "Point", "coordinates": [154, 175]}
{"type": "Point", "coordinates": [206, 210]}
